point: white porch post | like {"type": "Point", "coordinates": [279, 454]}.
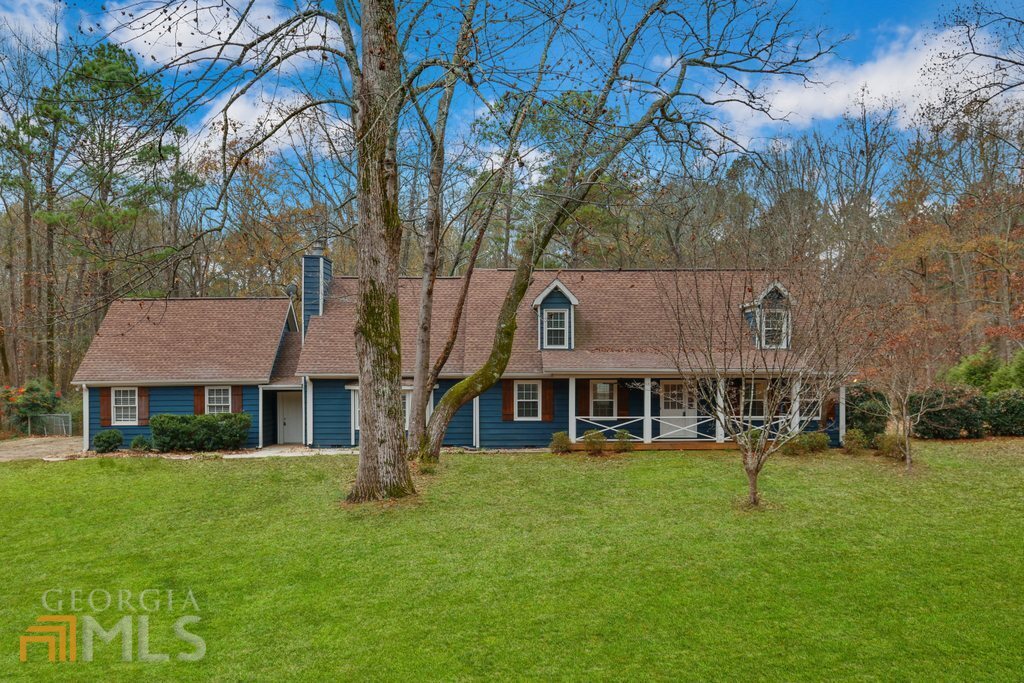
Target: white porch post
{"type": "Point", "coordinates": [260, 413]}
{"type": "Point", "coordinates": [842, 414]}
{"type": "Point", "coordinates": [648, 431]}
{"type": "Point", "coordinates": [794, 400]}
{"type": "Point", "coordinates": [572, 409]}
{"type": "Point", "coordinates": [476, 422]}
{"type": "Point", "coordinates": [720, 412]}
{"type": "Point", "coordinates": [85, 417]}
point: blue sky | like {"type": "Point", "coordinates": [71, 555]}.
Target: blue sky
{"type": "Point", "coordinates": [889, 42]}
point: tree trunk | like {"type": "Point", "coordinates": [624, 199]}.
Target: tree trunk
{"type": "Point", "coordinates": [753, 496]}
{"type": "Point", "coordinates": [383, 471]}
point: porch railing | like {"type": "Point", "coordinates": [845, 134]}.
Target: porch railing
{"type": "Point", "coordinates": [601, 424]}
{"type": "Point", "coordinates": [689, 431]}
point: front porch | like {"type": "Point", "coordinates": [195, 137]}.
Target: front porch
{"type": "Point", "coordinates": [674, 413]}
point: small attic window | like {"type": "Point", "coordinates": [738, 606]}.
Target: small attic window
{"type": "Point", "coordinates": [556, 328]}
{"type": "Point", "coordinates": [774, 319]}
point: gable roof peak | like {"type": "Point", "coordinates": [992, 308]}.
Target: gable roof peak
{"type": "Point", "coordinates": [559, 285]}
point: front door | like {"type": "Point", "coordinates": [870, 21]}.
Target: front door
{"type": "Point", "coordinates": [678, 411]}
{"type": "Point", "coordinates": [289, 417]}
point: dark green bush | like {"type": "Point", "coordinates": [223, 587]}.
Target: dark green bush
{"type": "Point", "coordinates": [594, 441]}
{"type": "Point", "coordinates": [560, 442]}
{"type": "Point", "coordinates": [141, 443]}
{"type": "Point", "coordinates": [623, 442]}
{"type": "Point", "coordinates": [108, 440]}
{"type": "Point", "coordinates": [953, 413]}
{"type": "Point", "coordinates": [866, 410]}
{"type": "Point", "coordinates": [854, 441]}
{"type": "Point", "coordinates": [1005, 416]}
{"type": "Point", "coordinates": [224, 431]}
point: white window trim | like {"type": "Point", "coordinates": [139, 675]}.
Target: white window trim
{"type": "Point", "coordinates": [744, 402]}
{"type": "Point", "coordinates": [406, 396]}
{"type": "Point", "coordinates": [615, 399]}
{"type": "Point", "coordinates": [785, 329]}
{"type": "Point", "coordinates": [114, 422]}
{"type": "Point", "coordinates": [206, 405]}
{"type": "Point", "coordinates": [540, 400]}
{"type": "Point", "coordinates": [565, 313]}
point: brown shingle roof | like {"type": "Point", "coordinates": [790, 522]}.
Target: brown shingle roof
{"type": "Point", "coordinates": [184, 340]}
{"type": "Point", "coordinates": [287, 360]}
{"type": "Point", "coordinates": [625, 320]}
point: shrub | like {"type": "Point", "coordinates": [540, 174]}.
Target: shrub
{"type": "Point", "coordinates": [108, 440]}
{"type": "Point", "coordinates": [866, 410]}
{"type": "Point", "coordinates": [224, 431]}
{"type": "Point", "coordinates": [808, 442]}
{"type": "Point", "coordinates": [594, 442]}
{"type": "Point", "coordinates": [623, 442]}
{"type": "Point", "coordinates": [1005, 414]}
{"type": "Point", "coordinates": [854, 441]}
{"type": "Point", "coordinates": [141, 443]}
{"type": "Point", "coordinates": [954, 413]}
{"type": "Point", "coordinates": [975, 370]}
{"type": "Point", "coordinates": [36, 397]}
{"type": "Point", "coordinates": [889, 445]}
{"type": "Point", "coordinates": [1008, 376]}
{"type": "Point", "coordinates": [560, 443]}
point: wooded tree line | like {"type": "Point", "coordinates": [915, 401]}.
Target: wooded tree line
{"type": "Point", "coordinates": [112, 187]}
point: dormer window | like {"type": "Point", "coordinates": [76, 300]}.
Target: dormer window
{"type": "Point", "coordinates": [771, 320]}
{"type": "Point", "coordinates": [556, 328]}
{"type": "Point", "coordinates": [555, 307]}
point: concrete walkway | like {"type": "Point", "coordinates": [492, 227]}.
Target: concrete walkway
{"type": "Point", "coordinates": [38, 447]}
{"type": "Point", "coordinates": [290, 451]}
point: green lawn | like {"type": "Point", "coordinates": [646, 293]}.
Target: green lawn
{"type": "Point", "coordinates": [537, 566]}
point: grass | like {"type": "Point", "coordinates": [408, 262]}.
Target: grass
{"type": "Point", "coordinates": [536, 566]}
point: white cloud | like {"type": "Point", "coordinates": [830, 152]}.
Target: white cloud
{"type": "Point", "coordinates": [902, 73]}
{"type": "Point", "coordinates": [30, 18]}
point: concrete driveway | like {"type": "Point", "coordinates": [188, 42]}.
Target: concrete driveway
{"type": "Point", "coordinates": [38, 447]}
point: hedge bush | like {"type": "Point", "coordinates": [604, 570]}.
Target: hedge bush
{"type": "Point", "coordinates": [889, 445]}
{"type": "Point", "coordinates": [808, 442]}
{"type": "Point", "coordinates": [623, 442]}
{"type": "Point", "coordinates": [954, 413]}
{"type": "Point", "coordinates": [594, 441]}
{"type": "Point", "coordinates": [854, 441]}
{"type": "Point", "coordinates": [224, 431]}
{"type": "Point", "coordinates": [108, 440]}
{"type": "Point", "coordinates": [560, 442]}
{"type": "Point", "coordinates": [866, 410]}
{"type": "Point", "coordinates": [141, 443]}
{"type": "Point", "coordinates": [1005, 415]}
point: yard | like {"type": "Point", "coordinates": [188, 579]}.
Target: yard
{"type": "Point", "coordinates": [536, 566]}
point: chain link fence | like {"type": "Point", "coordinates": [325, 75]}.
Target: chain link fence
{"type": "Point", "coordinates": [50, 424]}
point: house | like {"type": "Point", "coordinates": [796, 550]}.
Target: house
{"type": "Point", "coordinates": [589, 353]}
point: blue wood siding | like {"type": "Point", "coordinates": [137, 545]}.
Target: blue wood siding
{"type": "Point", "coordinates": [311, 276]}
{"type": "Point", "coordinates": [460, 431]}
{"type": "Point", "coordinates": [332, 413]}
{"type": "Point", "coordinates": [497, 433]}
{"type": "Point", "coordinates": [556, 299]}
{"type": "Point", "coordinates": [171, 401]}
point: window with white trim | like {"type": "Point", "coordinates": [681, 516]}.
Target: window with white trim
{"type": "Point", "coordinates": [678, 396]}
{"type": "Point", "coordinates": [527, 400]}
{"type": "Point", "coordinates": [753, 397]}
{"type": "Point", "coordinates": [218, 400]}
{"type": "Point", "coordinates": [556, 328]}
{"type": "Point", "coordinates": [811, 399]}
{"type": "Point", "coordinates": [406, 407]}
{"type": "Point", "coordinates": [602, 398]}
{"type": "Point", "coordinates": [124, 406]}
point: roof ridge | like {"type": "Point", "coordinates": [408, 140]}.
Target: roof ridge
{"type": "Point", "coordinates": [205, 298]}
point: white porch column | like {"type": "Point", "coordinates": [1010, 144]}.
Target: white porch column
{"type": "Point", "coordinates": [260, 419]}
{"type": "Point", "coordinates": [572, 409]}
{"type": "Point", "coordinates": [794, 410]}
{"type": "Point", "coordinates": [648, 430]}
{"type": "Point", "coordinates": [842, 414]}
{"type": "Point", "coordinates": [476, 422]}
{"type": "Point", "coordinates": [720, 412]}
{"type": "Point", "coordinates": [85, 417]}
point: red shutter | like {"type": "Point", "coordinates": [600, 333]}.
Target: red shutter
{"type": "Point", "coordinates": [623, 402]}
{"type": "Point", "coordinates": [582, 397]}
{"type": "Point", "coordinates": [508, 400]}
{"type": "Point", "coordinates": [198, 400]}
{"type": "Point", "coordinates": [104, 406]}
{"type": "Point", "coordinates": [143, 406]}
{"type": "Point", "coordinates": [236, 399]}
{"type": "Point", "coordinates": [547, 400]}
